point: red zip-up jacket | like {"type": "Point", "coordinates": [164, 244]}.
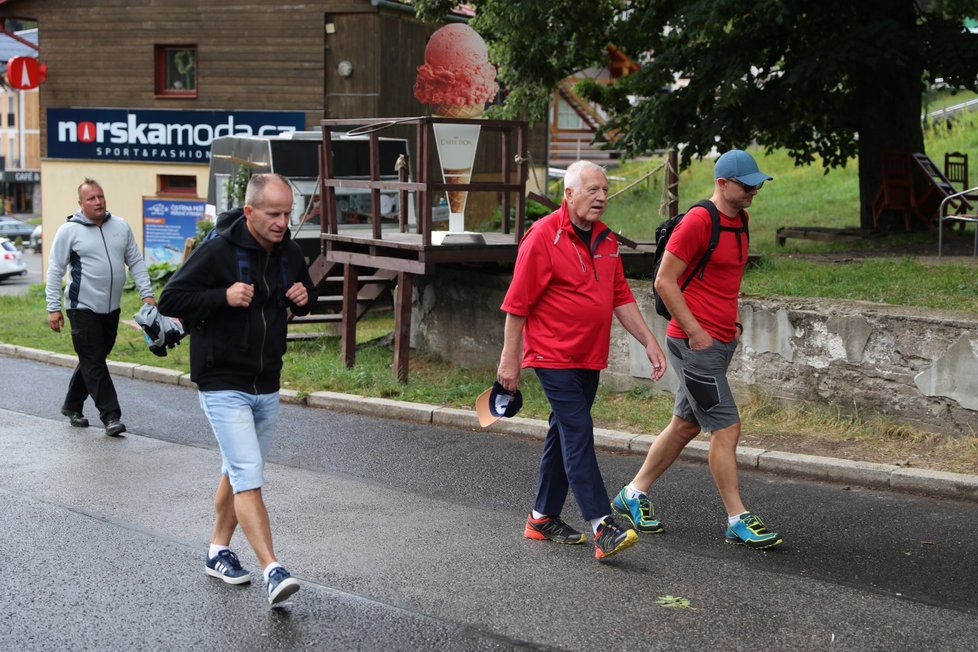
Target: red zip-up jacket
{"type": "Point", "coordinates": [566, 293]}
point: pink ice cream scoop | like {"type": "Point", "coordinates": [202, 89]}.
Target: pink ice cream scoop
{"type": "Point", "coordinates": [456, 78]}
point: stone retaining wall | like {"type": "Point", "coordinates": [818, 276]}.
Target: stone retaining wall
{"type": "Point", "coordinates": [918, 367]}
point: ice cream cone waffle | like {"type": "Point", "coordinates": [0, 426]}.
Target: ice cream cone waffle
{"type": "Point", "coordinates": [465, 111]}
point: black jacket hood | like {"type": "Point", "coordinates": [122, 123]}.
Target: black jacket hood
{"type": "Point", "coordinates": [233, 226]}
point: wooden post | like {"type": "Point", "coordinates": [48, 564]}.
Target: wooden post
{"type": "Point", "coordinates": [507, 160]}
{"type": "Point", "coordinates": [375, 191]}
{"type": "Point", "coordinates": [672, 183]}
{"type": "Point", "coordinates": [402, 176]}
{"type": "Point", "coordinates": [327, 194]}
{"type": "Point", "coordinates": [522, 167]}
{"type": "Point", "coordinates": [348, 325]}
{"type": "Point", "coordinates": [420, 161]}
{"type": "Point", "coordinates": [402, 326]}
{"type": "Point", "coordinates": [424, 168]}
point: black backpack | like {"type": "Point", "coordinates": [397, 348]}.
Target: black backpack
{"type": "Point", "coordinates": [664, 231]}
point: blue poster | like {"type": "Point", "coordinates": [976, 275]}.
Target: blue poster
{"type": "Point", "coordinates": [167, 223]}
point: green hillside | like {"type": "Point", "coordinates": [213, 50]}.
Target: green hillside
{"type": "Point", "coordinates": [895, 268]}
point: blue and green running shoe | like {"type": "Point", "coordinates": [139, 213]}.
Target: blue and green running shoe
{"type": "Point", "coordinates": [639, 511]}
{"type": "Point", "coordinates": [750, 531]}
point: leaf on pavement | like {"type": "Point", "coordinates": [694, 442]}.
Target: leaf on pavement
{"type": "Point", "coordinates": [673, 602]}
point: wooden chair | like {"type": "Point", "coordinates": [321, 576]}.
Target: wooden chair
{"type": "Point", "coordinates": [897, 191]}
{"type": "Point", "coordinates": [956, 170]}
{"type": "Point", "coordinates": [938, 187]}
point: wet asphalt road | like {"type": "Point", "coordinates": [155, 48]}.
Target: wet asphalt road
{"type": "Point", "coordinates": [408, 537]}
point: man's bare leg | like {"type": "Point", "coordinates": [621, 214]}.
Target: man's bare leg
{"type": "Point", "coordinates": [664, 451]}
{"type": "Point", "coordinates": [253, 518]}
{"type": "Point", "coordinates": [723, 466]}
{"type": "Point", "coordinates": [225, 520]}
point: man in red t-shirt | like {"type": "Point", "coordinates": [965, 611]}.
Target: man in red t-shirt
{"type": "Point", "coordinates": [700, 342]}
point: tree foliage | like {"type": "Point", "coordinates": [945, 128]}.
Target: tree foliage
{"type": "Point", "coordinates": [825, 80]}
{"type": "Point", "coordinates": [536, 44]}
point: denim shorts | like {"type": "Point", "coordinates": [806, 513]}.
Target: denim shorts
{"type": "Point", "coordinates": [243, 424]}
{"type": "Point", "coordinates": [704, 395]}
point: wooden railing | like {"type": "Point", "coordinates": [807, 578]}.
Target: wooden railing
{"type": "Point", "coordinates": [513, 173]}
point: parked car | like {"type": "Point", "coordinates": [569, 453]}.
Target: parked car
{"type": "Point", "coordinates": [11, 260]}
{"type": "Point", "coordinates": [12, 229]}
{"type": "Point", "coordinates": [36, 239]}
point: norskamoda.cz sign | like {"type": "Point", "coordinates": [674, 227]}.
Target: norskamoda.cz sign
{"type": "Point", "coordinates": [161, 135]}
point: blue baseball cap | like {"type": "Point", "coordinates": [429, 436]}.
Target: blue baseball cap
{"type": "Point", "coordinates": [496, 402]}
{"type": "Point", "coordinates": [738, 164]}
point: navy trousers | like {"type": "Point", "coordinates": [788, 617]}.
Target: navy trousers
{"type": "Point", "coordinates": [568, 458]}
{"type": "Point", "coordinates": [93, 336]}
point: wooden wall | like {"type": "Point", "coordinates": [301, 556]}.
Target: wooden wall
{"type": "Point", "coordinates": [250, 54]}
{"type": "Point", "coordinates": [19, 117]}
{"type": "Point", "coordinates": [385, 49]}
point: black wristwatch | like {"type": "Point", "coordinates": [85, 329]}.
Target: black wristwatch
{"type": "Point", "coordinates": [740, 326]}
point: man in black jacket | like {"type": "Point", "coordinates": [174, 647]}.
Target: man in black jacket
{"type": "Point", "coordinates": [233, 294]}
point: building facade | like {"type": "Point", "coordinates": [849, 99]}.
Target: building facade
{"type": "Point", "coordinates": [20, 146]}
{"type": "Point", "coordinates": [137, 89]}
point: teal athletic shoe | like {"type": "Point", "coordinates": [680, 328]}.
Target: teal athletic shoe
{"type": "Point", "coordinates": [750, 531]}
{"type": "Point", "coordinates": [639, 511]}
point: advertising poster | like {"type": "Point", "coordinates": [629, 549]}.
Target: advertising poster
{"type": "Point", "coordinates": [167, 223]}
{"type": "Point", "coordinates": [161, 135]}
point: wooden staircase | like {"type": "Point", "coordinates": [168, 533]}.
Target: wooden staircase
{"type": "Point", "coordinates": [365, 291]}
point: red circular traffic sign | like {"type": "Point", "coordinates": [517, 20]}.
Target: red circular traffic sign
{"type": "Point", "coordinates": [24, 73]}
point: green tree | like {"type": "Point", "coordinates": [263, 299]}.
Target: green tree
{"type": "Point", "coordinates": [828, 80]}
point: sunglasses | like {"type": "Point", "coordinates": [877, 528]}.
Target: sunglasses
{"type": "Point", "coordinates": [747, 188]}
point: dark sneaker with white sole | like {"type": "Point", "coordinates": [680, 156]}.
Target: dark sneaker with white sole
{"type": "Point", "coordinates": [551, 528]}
{"type": "Point", "coordinates": [280, 585]}
{"type": "Point", "coordinates": [225, 566]}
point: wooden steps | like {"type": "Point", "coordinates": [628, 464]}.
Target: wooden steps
{"type": "Point", "coordinates": [372, 287]}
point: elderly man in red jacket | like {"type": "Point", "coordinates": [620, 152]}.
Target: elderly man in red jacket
{"type": "Point", "coordinates": [567, 284]}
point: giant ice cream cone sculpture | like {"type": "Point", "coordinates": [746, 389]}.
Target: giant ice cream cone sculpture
{"type": "Point", "coordinates": [456, 80]}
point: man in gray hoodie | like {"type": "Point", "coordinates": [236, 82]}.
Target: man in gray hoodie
{"type": "Point", "coordinates": [97, 248]}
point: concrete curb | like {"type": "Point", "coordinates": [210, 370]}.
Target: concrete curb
{"type": "Point", "coordinates": [867, 474]}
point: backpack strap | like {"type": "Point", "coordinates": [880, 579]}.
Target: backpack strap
{"type": "Point", "coordinates": [244, 265]}
{"type": "Point", "coordinates": [700, 267]}
{"type": "Point", "coordinates": [284, 266]}
{"type": "Point", "coordinates": [737, 230]}
{"type": "Point", "coordinates": [715, 230]}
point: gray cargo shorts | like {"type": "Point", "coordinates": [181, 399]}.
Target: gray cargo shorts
{"type": "Point", "coordinates": [704, 395]}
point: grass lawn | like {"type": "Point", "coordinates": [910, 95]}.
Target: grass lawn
{"type": "Point", "coordinates": [798, 196]}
